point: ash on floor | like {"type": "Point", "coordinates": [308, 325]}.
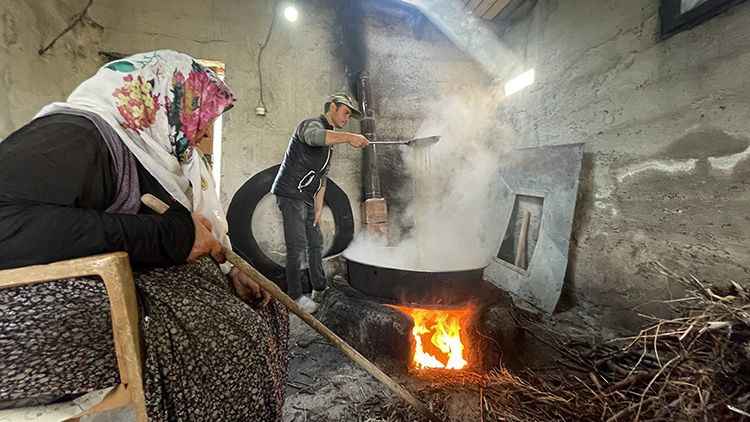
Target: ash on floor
{"type": "Point", "coordinates": [323, 383]}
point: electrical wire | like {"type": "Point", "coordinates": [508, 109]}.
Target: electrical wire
{"type": "Point", "coordinates": [260, 52]}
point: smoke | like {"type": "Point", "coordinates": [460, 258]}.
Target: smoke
{"type": "Point", "coordinates": [451, 223]}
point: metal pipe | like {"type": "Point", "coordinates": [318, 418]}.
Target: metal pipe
{"type": "Point", "coordinates": [370, 174]}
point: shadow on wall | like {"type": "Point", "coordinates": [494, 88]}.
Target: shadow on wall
{"type": "Point", "coordinates": [701, 153]}
{"type": "Point", "coordinates": [685, 206]}
{"type": "Point", "coordinates": [581, 218]}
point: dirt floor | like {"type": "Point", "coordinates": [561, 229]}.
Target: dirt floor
{"type": "Point", "coordinates": [323, 384]}
{"type": "Point", "coordinates": [693, 366]}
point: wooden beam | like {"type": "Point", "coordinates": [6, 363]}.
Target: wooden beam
{"type": "Point", "coordinates": [473, 5]}
{"type": "Point", "coordinates": [495, 9]}
{"type": "Point", "coordinates": [523, 240]}
{"type": "Point", "coordinates": [483, 7]}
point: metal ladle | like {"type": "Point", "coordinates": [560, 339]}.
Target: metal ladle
{"type": "Point", "coordinates": [421, 142]}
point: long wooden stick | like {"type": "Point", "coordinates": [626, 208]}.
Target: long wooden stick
{"type": "Point", "coordinates": [523, 240]}
{"type": "Point", "coordinates": [160, 207]}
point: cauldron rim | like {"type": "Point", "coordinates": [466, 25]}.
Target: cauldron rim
{"type": "Point", "coordinates": [412, 270]}
{"type": "Point", "coordinates": [413, 288]}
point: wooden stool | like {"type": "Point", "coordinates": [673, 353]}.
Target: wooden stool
{"type": "Point", "coordinates": [114, 270]}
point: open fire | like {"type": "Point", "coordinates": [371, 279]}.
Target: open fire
{"type": "Point", "coordinates": [437, 337]}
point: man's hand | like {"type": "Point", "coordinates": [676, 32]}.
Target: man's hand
{"type": "Point", "coordinates": [319, 202]}
{"type": "Point", "coordinates": [205, 243]}
{"type": "Point", "coordinates": [247, 289]}
{"type": "Point", "coordinates": [358, 141]}
{"type": "Point", "coordinates": [316, 221]}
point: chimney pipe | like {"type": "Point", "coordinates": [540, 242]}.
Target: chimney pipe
{"type": "Point", "coordinates": [374, 212]}
{"type": "Point", "coordinates": [370, 175]}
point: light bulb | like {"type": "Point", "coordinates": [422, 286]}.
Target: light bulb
{"type": "Point", "coordinates": [291, 14]}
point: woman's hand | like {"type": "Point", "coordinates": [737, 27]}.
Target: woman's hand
{"type": "Point", "coordinates": [205, 243]}
{"type": "Point", "coordinates": [247, 289]}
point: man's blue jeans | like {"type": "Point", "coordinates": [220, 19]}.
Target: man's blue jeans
{"type": "Point", "coordinates": [303, 240]}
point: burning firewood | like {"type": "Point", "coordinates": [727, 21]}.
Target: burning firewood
{"type": "Point", "coordinates": [692, 367]}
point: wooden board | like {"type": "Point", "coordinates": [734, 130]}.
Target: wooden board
{"type": "Point", "coordinates": [495, 9]}
{"type": "Point", "coordinates": [486, 9]}
{"type": "Point", "coordinates": [473, 5]}
{"type": "Point", "coordinates": [482, 8]}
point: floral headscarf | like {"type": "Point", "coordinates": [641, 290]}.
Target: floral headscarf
{"type": "Point", "coordinates": [159, 103]}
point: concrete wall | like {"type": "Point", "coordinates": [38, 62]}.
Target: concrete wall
{"type": "Point", "coordinates": [28, 81]}
{"type": "Point", "coordinates": [413, 67]}
{"type": "Point", "coordinates": [300, 63]}
{"type": "Point", "coordinates": [667, 129]}
{"type": "Point", "coordinates": [301, 66]}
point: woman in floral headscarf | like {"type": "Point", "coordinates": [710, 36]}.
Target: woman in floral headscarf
{"type": "Point", "coordinates": [70, 184]}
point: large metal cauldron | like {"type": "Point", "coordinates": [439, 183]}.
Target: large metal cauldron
{"type": "Point", "coordinates": [412, 287]}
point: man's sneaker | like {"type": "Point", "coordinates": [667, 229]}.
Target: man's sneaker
{"type": "Point", "coordinates": [307, 304]}
{"type": "Point", "coordinates": [317, 295]}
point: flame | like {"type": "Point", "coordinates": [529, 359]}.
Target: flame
{"type": "Point", "coordinates": [437, 337]}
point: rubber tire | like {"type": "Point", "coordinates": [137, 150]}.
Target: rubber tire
{"type": "Point", "coordinates": [240, 218]}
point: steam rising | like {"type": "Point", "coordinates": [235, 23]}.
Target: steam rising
{"type": "Point", "coordinates": [453, 214]}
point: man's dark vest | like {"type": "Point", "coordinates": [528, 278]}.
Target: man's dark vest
{"type": "Point", "coordinates": [303, 167]}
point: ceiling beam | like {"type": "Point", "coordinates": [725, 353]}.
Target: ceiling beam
{"type": "Point", "coordinates": [472, 5]}
{"type": "Point", "coordinates": [495, 9]}
{"type": "Point", "coordinates": [483, 7]}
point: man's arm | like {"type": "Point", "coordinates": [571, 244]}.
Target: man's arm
{"type": "Point", "coordinates": [314, 134]}
{"type": "Point", "coordinates": [320, 201]}
{"type": "Point", "coordinates": [354, 139]}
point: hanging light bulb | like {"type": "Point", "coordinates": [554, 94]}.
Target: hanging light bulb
{"type": "Point", "coordinates": [291, 14]}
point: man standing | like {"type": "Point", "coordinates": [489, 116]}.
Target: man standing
{"type": "Point", "coordinates": [300, 188]}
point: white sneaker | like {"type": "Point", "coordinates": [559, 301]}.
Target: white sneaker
{"type": "Point", "coordinates": [307, 304]}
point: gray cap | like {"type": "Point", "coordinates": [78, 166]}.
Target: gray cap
{"type": "Point", "coordinates": [341, 98]}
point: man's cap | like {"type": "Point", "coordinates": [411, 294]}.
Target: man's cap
{"type": "Point", "coordinates": [341, 98]}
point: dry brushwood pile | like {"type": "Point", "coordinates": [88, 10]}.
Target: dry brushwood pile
{"type": "Point", "coordinates": [695, 367]}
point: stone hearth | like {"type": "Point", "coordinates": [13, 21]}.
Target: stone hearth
{"type": "Point", "coordinates": [383, 333]}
